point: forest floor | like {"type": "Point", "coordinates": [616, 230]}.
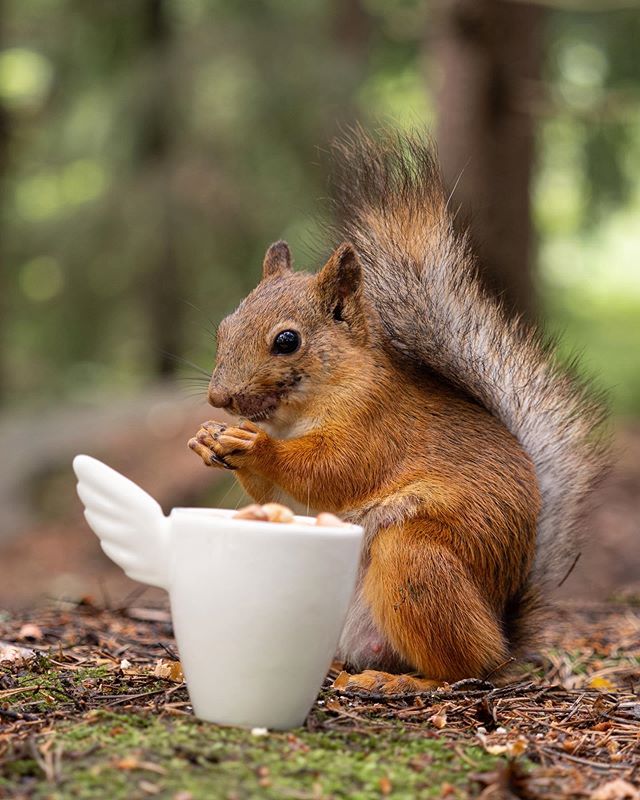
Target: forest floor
{"type": "Point", "coordinates": [92, 705]}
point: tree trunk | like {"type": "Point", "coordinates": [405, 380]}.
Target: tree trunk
{"type": "Point", "coordinates": [5, 136]}
{"type": "Point", "coordinates": [351, 27]}
{"type": "Point", "coordinates": [163, 289]}
{"type": "Point", "coordinates": [486, 51]}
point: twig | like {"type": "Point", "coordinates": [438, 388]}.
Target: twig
{"type": "Point", "coordinates": [169, 651]}
{"type": "Point", "coordinates": [500, 667]}
{"type": "Point", "coordinates": [586, 762]}
{"type": "Point", "coordinates": [122, 698]}
{"type": "Point", "coordinates": [573, 709]}
{"type": "Point", "coordinates": [10, 714]}
{"type": "Point", "coordinates": [49, 760]}
{"type": "Point", "coordinates": [5, 693]}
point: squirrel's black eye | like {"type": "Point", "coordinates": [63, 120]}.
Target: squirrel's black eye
{"type": "Point", "coordinates": [286, 342]}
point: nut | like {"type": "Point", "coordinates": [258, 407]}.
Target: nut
{"type": "Point", "coordinates": [253, 512]}
{"type": "Point", "coordinates": [277, 513]}
{"type": "Point", "coordinates": [270, 512]}
{"type": "Point", "coordinates": [327, 520]}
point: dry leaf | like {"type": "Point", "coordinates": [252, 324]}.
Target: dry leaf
{"type": "Point", "coordinates": [342, 681]}
{"type": "Point", "coordinates": [169, 670]}
{"type": "Point", "coordinates": [30, 631]}
{"type": "Point", "coordinates": [333, 704]}
{"type": "Point", "coordinates": [264, 781]}
{"type": "Point", "coordinates": [495, 749]}
{"type": "Point", "coordinates": [11, 655]}
{"type": "Point", "coordinates": [517, 747]}
{"type": "Point", "coordinates": [514, 748]}
{"type": "Point", "coordinates": [604, 684]}
{"type": "Point", "coordinates": [297, 744]}
{"type": "Point", "coordinates": [439, 720]}
{"type": "Point", "coordinates": [127, 763]}
{"type": "Point", "coordinates": [617, 789]}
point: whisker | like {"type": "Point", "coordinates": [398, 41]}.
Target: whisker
{"type": "Point", "coordinates": [213, 325]}
{"type": "Point", "coordinates": [186, 362]}
{"type": "Point", "coordinates": [193, 399]}
{"type": "Point", "coordinates": [209, 332]}
{"type": "Point", "coordinates": [232, 486]}
{"type": "Point", "coordinates": [195, 396]}
{"type": "Point", "coordinates": [192, 380]}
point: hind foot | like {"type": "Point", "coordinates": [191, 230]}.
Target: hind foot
{"type": "Point", "coordinates": [376, 682]}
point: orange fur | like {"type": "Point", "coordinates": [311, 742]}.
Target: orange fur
{"type": "Point", "coordinates": [430, 604]}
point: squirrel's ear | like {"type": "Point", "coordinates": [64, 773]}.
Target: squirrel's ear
{"type": "Point", "coordinates": [277, 260]}
{"type": "Point", "coordinates": [341, 278]}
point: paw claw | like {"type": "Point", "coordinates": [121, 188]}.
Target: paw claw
{"type": "Point", "coordinates": [215, 443]}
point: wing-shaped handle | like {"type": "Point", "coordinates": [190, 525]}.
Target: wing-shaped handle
{"type": "Point", "coordinates": [130, 524]}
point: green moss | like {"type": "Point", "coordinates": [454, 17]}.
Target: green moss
{"type": "Point", "coordinates": [122, 752]}
{"type": "Point", "coordinates": [48, 686]}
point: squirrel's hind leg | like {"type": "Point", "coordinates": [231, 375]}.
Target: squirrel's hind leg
{"type": "Point", "coordinates": [375, 682]}
{"type": "Point", "coordinates": [425, 603]}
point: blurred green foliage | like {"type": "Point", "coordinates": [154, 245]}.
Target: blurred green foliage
{"type": "Point", "coordinates": [149, 165]}
{"type": "Point", "coordinates": [586, 198]}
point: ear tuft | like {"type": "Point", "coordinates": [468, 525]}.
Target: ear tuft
{"type": "Point", "coordinates": [277, 260]}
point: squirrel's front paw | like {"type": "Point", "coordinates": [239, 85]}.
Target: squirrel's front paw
{"type": "Point", "coordinates": [204, 441]}
{"type": "Point", "coordinates": [227, 446]}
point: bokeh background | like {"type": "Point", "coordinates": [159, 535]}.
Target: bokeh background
{"type": "Point", "coordinates": [150, 150]}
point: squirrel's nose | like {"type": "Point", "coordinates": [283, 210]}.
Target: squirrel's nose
{"type": "Point", "coordinates": [218, 397]}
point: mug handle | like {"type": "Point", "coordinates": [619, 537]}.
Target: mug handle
{"type": "Point", "coordinates": [130, 524]}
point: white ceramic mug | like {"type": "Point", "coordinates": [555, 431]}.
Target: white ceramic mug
{"type": "Point", "coordinates": [257, 607]}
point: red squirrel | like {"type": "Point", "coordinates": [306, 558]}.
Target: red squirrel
{"type": "Point", "coordinates": [391, 389]}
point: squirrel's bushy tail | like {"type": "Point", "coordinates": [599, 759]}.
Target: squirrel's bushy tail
{"type": "Point", "coordinates": [421, 278]}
